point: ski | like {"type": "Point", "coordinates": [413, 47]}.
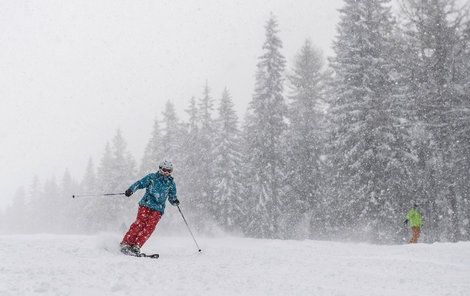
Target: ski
{"type": "Point", "coordinates": [153, 256]}
{"type": "Point", "coordinates": [143, 255]}
{"type": "Point", "coordinates": [129, 252]}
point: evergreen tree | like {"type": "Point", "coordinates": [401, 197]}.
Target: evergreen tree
{"type": "Point", "coordinates": [172, 135]}
{"type": "Point", "coordinates": [305, 137]}
{"type": "Point", "coordinates": [264, 131]}
{"type": "Point", "coordinates": [172, 139]}
{"type": "Point", "coordinates": [228, 204]}
{"type": "Point", "coordinates": [115, 173]}
{"type": "Point", "coordinates": [435, 33]}
{"type": "Point", "coordinates": [100, 213]}
{"type": "Point", "coordinates": [369, 151]}
{"type": "Point", "coordinates": [123, 174]}
{"type": "Point", "coordinates": [462, 136]}
{"type": "Point", "coordinates": [188, 186]}
{"type": "Point", "coordinates": [104, 170]}
{"type": "Point", "coordinates": [68, 185]}
{"type": "Point", "coordinates": [153, 151]}
{"type": "Point", "coordinates": [123, 164]}
{"type": "Point", "coordinates": [86, 206]}
{"type": "Point", "coordinates": [205, 168]}
{"type": "Point", "coordinates": [89, 182]}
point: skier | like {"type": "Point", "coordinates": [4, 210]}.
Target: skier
{"type": "Point", "coordinates": [159, 187]}
{"type": "Point", "coordinates": [414, 218]}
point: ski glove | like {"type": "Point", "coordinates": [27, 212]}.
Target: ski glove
{"type": "Point", "coordinates": [128, 192]}
{"type": "Point", "coordinates": [176, 202]}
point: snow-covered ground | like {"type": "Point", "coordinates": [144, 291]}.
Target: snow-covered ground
{"type": "Point", "coordinates": [92, 265]}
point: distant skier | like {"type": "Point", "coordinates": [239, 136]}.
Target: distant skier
{"type": "Point", "coordinates": [159, 187]}
{"type": "Point", "coordinates": [415, 220]}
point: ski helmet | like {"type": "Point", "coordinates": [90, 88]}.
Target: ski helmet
{"type": "Point", "coordinates": [166, 165]}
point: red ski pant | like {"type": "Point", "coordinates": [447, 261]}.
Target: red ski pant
{"type": "Point", "coordinates": [143, 227]}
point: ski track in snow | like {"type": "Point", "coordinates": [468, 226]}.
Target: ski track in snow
{"type": "Point", "coordinates": [92, 265]}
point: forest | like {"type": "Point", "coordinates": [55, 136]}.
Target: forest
{"type": "Point", "coordinates": [330, 148]}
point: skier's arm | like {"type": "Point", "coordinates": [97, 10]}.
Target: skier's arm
{"type": "Point", "coordinates": [407, 218]}
{"type": "Point", "coordinates": [172, 198]}
{"type": "Point", "coordinates": [142, 183]}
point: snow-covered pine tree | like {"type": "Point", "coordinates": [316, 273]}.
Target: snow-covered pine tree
{"type": "Point", "coordinates": [409, 132]}
{"type": "Point", "coordinates": [123, 163]}
{"type": "Point", "coordinates": [171, 138]}
{"type": "Point", "coordinates": [153, 153]}
{"type": "Point", "coordinates": [188, 186]}
{"type": "Point", "coordinates": [205, 168]}
{"type": "Point", "coordinates": [68, 185]}
{"type": "Point", "coordinates": [228, 204]}
{"type": "Point", "coordinates": [265, 130]}
{"type": "Point", "coordinates": [368, 148]}
{"type": "Point", "coordinates": [462, 135]}
{"type": "Point", "coordinates": [123, 174]}
{"type": "Point", "coordinates": [89, 182]}
{"type": "Point", "coordinates": [104, 170]}
{"type": "Point", "coordinates": [435, 34]}
{"type": "Point", "coordinates": [305, 138]}
{"type": "Point", "coordinates": [99, 212]}
{"type": "Point", "coordinates": [115, 173]}
{"type": "Point", "coordinates": [85, 207]}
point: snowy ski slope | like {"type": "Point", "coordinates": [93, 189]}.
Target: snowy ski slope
{"type": "Point", "coordinates": [91, 265]}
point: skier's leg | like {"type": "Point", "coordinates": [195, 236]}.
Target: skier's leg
{"type": "Point", "coordinates": [414, 238]}
{"type": "Point", "coordinates": [151, 221]}
{"type": "Point", "coordinates": [131, 236]}
{"type": "Point", "coordinates": [416, 234]}
{"type": "Point", "coordinates": [412, 235]}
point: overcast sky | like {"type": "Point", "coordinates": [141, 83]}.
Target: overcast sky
{"type": "Point", "coordinates": [72, 72]}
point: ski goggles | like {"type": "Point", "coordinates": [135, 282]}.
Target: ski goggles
{"type": "Point", "coordinates": [165, 170]}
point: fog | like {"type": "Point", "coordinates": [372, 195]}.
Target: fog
{"type": "Point", "coordinates": [73, 72]}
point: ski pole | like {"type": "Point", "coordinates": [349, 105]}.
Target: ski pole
{"type": "Point", "coordinates": [94, 195]}
{"type": "Point", "coordinates": [199, 249]}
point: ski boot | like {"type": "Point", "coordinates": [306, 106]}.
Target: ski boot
{"type": "Point", "coordinates": [130, 250]}
{"type": "Point", "coordinates": [135, 251]}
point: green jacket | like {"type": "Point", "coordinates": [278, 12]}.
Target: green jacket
{"type": "Point", "coordinates": [414, 218]}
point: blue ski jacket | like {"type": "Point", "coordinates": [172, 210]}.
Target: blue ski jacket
{"type": "Point", "coordinates": [159, 188]}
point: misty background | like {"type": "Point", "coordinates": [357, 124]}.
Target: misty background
{"type": "Point", "coordinates": [74, 72]}
{"type": "Point", "coordinates": [298, 121]}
